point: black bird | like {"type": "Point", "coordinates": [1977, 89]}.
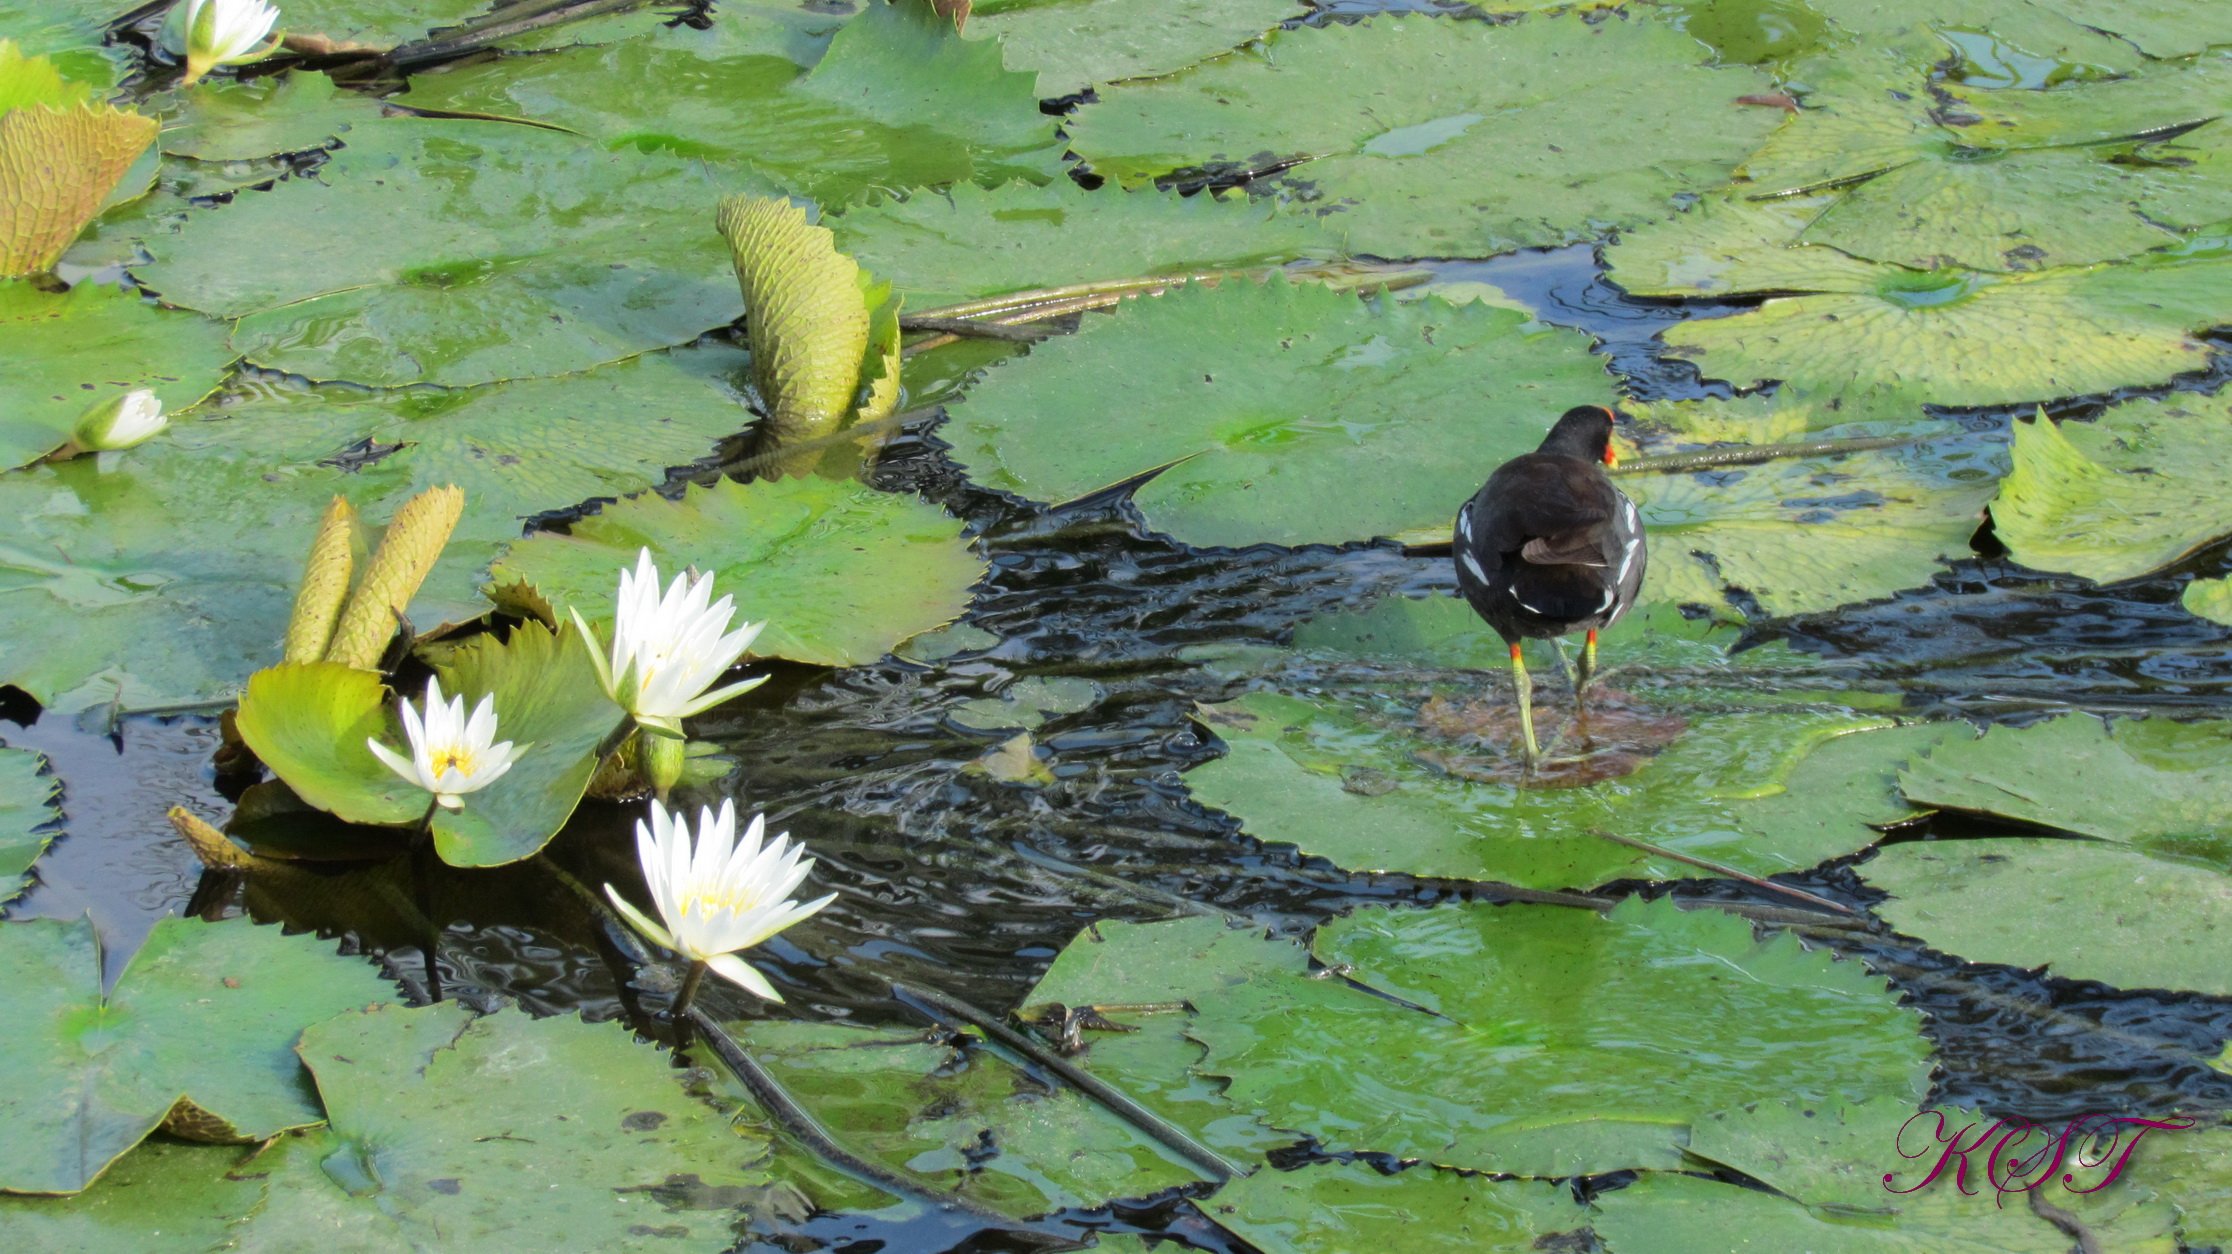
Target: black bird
{"type": "Point", "coordinates": [1548, 547]}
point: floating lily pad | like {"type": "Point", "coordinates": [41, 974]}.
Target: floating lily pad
{"type": "Point", "coordinates": [265, 117]}
{"type": "Point", "coordinates": [899, 99]}
{"type": "Point", "coordinates": [69, 33]}
{"type": "Point", "coordinates": [1677, 1214]}
{"type": "Point", "coordinates": [375, 23]}
{"type": "Point", "coordinates": [460, 252]}
{"type": "Point", "coordinates": [1028, 702]}
{"type": "Point", "coordinates": [839, 572]}
{"type": "Point", "coordinates": [1332, 1208]}
{"type": "Point", "coordinates": [2084, 910]}
{"type": "Point", "coordinates": [963, 1121]}
{"type": "Point", "coordinates": [441, 1123]}
{"type": "Point", "coordinates": [2210, 599]}
{"type": "Point", "coordinates": [1153, 979]}
{"type": "Point", "coordinates": [186, 1193]}
{"type": "Point", "coordinates": [1076, 44]}
{"type": "Point", "coordinates": [549, 703]}
{"type": "Point", "coordinates": [64, 156]}
{"type": "Point", "coordinates": [1371, 796]}
{"type": "Point", "coordinates": [183, 556]}
{"type": "Point", "coordinates": [197, 1035]}
{"type": "Point", "coordinates": [1435, 137]}
{"type": "Point", "coordinates": [29, 813]}
{"type": "Point", "coordinates": [310, 721]}
{"type": "Point", "coordinates": [942, 247]}
{"type": "Point", "coordinates": [1927, 183]}
{"type": "Point", "coordinates": [1959, 337]}
{"type": "Point", "coordinates": [94, 343]}
{"type": "Point", "coordinates": [1494, 1064]}
{"type": "Point", "coordinates": [1802, 535]}
{"type": "Point", "coordinates": [1278, 413]}
{"type": "Point", "coordinates": [2151, 782]}
{"type": "Point", "coordinates": [2189, 1170]}
{"type": "Point", "coordinates": [2122, 496]}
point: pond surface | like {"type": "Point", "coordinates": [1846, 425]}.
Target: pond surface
{"type": "Point", "coordinates": [953, 881]}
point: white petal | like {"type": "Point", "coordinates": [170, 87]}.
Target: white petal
{"type": "Point", "coordinates": [741, 973]}
{"type": "Point", "coordinates": [640, 922]}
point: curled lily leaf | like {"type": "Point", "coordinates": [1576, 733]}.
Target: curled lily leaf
{"type": "Point", "coordinates": [718, 897]}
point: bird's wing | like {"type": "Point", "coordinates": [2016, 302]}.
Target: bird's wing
{"type": "Point", "coordinates": [1569, 548]}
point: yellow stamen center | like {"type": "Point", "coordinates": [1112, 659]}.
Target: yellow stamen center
{"type": "Point", "coordinates": [459, 760]}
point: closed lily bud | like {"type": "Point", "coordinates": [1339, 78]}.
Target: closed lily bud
{"type": "Point", "coordinates": [210, 33]}
{"type": "Point", "coordinates": [119, 423]}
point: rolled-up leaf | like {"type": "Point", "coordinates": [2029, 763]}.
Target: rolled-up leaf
{"type": "Point", "coordinates": [60, 157]}
{"type": "Point", "coordinates": [805, 315]}
{"type": "Point", "coordinates": [413, 542]}
{"type": "Point", "coordinates": [325, 584]}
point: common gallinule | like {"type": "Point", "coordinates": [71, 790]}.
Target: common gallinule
{"type": "Point", "coordinates": [1548, 547]}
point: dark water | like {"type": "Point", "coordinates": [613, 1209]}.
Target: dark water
{"type": "Point", "coordinates": [955, 881]}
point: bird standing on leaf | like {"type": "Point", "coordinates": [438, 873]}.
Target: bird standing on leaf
{"type": "Point", "coordinates": [1549, 547]}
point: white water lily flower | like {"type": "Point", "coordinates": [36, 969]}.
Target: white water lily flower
{"type": "Point", "coordinates": [119, 423]}
{"type": "Point", "coordinates": [451, 755]}
{"type": "Point", "coordinates": [667, 649]}
{"type": "Point", "coordinates": [720, 898]}
{"type": "Point", "coordinates": [210, 33]}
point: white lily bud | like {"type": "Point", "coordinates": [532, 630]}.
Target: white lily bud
{"type": "Point", "coordinates": [210, 33]}
{"type": "Point", "coordinates": [120, 423]}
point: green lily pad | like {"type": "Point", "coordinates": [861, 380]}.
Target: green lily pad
{"type": "Point", "coordinates": [1333, 1208]}
{"type": "Point", "coordinates": [527, 252]}
{"type": "Point", "coordinates": [375, 23]}
{"type": "Point", "coordinates": [1028, 702]}
{"type": "Point", "coordinates": [939, 248]}
{"type": "Point", "coordinates": [29, 813]}
{"type": "Point", "coordinates": [197, 1034]}
{"type": "Point", "coordinates": [839, 572]}
{"type": "Point", "coordinates": [441, 1122]}
{"type": "Point", "coordinates": [1153, 979]}
{"type": "Point", "coordinates": [1339, 784]}
{"type": "Point", "coordinates": [265, 117]}
{"type": "Point", "coordinates": [2119, 497]}
{"type": "Point", "coordinates": [1435, 137]}
{"type": "Point", "coordinates": [2077, 37]}
{"type": "Point", "coordinates": [184, 556]}
{"type": "Point", "coordinates": [548, 703]}
{"type": "Point", "coordinates": [2082, 909]}
{"type": "Point", "coordinates": [1930, 184]}
{"type": "Point", "coordinates": [185, 1193]}
{"type": "Point", "coordinates": [963, 1121]}
{"type": "Point", "coordinates": [1801, 535]}
{"type": "Point", "coordinates": [310, 721]}
{"type": "Point", "coordinates": [1076, 44]}
{"type": "Point", "coordinates": [2150, 782]}
{"type": "Point", "coordinates": [897, 100]}
{"type": "Point", "coordinates": [2210, 599]}
{"type": "Point", "coordinates": [1959, 337]}
{"type": "Point", "coordinates": [73, 351]}
{"type": "Point", "coordinates": [2190, 1170]}
{"type": "Point", "coordinates": [1481, 1056]}
{"type": "Point", "coordinates": [1676, 1214]}
{"type": "Point", "coordinates": [67, 32]}
{"type": "Point", "coordinates": [1280, 412]}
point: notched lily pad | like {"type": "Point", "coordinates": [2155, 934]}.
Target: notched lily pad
{"type": "Point", "coordinates": [30, 814]}
{"type": "Point", "coordinates": [2122, 496]}
{"type": "Point", "coordinates": [94, 343]}
{"type": "Point", "coordinates": [1434, 137]}
{"type": "Point", "coordinates": [197, 1035]}
{"type": "Point", "coordinates": [441, 1122]}
{"type": "Point", "coordinates": [839, 572]}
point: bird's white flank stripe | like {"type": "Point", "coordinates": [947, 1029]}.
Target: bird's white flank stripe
{"type": "Point", "coordinates": [1473, 566]}
{"type": "Point", "coordinates": [1464, 521]}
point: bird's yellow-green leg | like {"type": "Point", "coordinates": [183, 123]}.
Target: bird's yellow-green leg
{"type": "Point", "coordinates": [1525, 688]}
{"type": "Point", "coordinates": [1588, 670]}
